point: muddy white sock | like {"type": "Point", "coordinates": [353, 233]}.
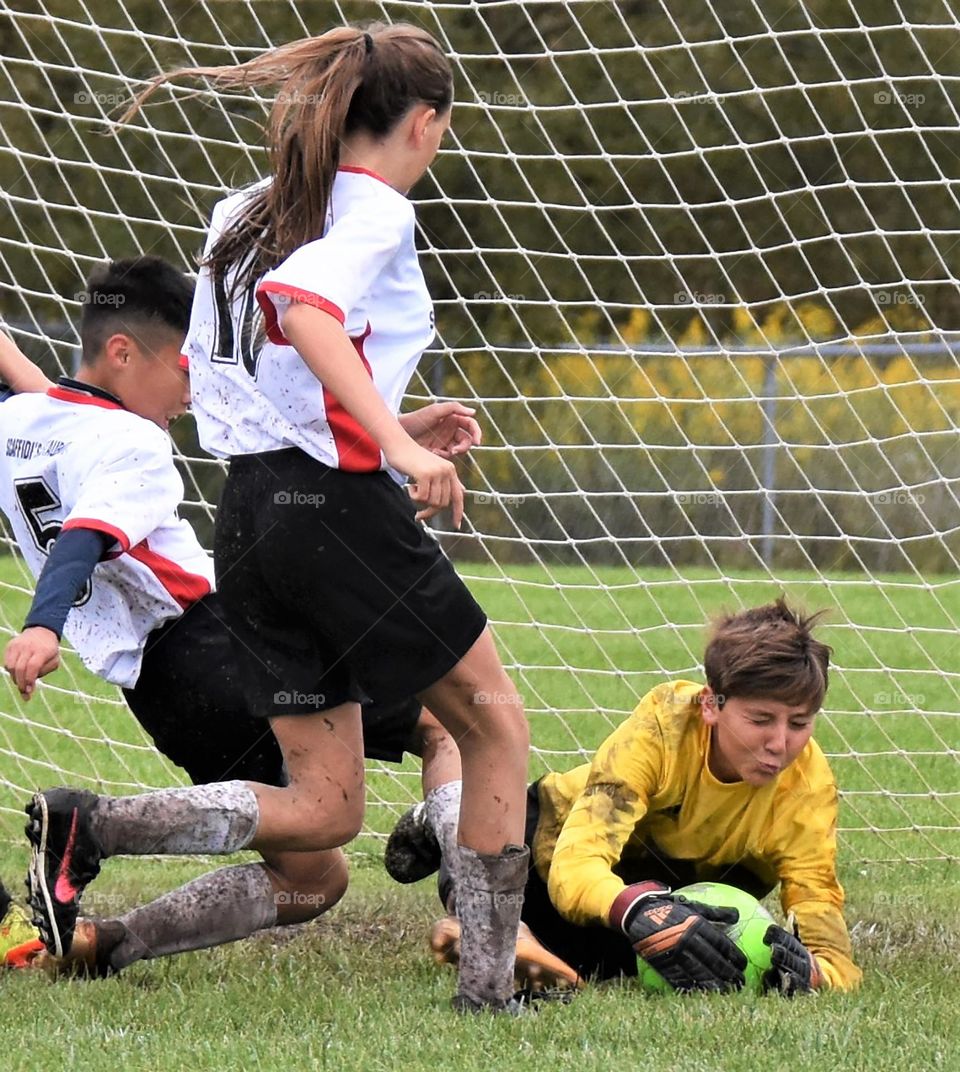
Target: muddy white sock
{"type": "Point", "coordinates": [442, 806]}
{"type": "Point", "coordinates": [217, 818]}
{"type": "Point", "coordinates": [489, 899]}
{"type": "Point", "coordinates": [220, 907]}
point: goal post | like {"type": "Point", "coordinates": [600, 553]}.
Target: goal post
{"type": "Point", "coordinates": [695, 265]}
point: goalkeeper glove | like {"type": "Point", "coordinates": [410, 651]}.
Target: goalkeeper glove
{"type": "Point", "coordinates": [794, 969]}
{"type": "Point", "coordinates": [678, 938]}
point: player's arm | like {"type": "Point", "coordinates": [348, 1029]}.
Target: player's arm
{"type": "Point", "coordinates": [327, 351]}
{"type": "Point", "coordinates": [36, 651]}
{"type": "Point", "coordinates": [818, 952]}
{"type": "Point", "coordinates": [675, 936]}
{"type": "Point", "coordinates": [309, 298]}
{"type": "Point", "coordinates": [118, 490]}
{"type": "Point", "coordinates": [624, 774]}
{"type": "Point", "coordinates": [17, 370]}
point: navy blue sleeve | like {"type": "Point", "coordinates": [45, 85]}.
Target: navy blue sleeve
{"type": "Point", "coordinates": [67, 569]}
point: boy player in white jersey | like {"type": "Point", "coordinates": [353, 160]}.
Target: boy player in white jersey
{"type": "Point", "coordinates": [88, 483]}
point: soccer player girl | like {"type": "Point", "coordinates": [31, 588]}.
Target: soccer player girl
{"type": "Point", "coordinates": [720, 782]}
{"type": "Point", "coordinates": [88, 481]}
{"type": "Point", "coordinates": [326, 572]}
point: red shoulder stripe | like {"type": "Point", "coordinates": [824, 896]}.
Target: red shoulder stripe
{"type": "Point", "coordinates": [99, 526]}
{"type": "Point", "coordinates": [306, 297]}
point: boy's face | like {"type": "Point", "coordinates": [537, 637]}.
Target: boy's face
{"type": "Point", "coordinates": [754, 739]}
{"type": "Point", "coordinates": [149, 382]}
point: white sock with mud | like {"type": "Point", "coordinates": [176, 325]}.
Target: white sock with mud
{"type": "Point", "coordinates": [223, 906]}
{"type": "Point", "coordinates": [442, 806]}
{"type": "Point", "coordinates": [218, 818]}
{"type": "Point", "coordinates": [489, 900]}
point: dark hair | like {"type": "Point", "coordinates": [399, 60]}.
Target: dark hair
{"type": "Point", "coordinates": [768, 651]}
{"type": "Point", "coordinates": [139, 296]}
{"type": "Point", "coordinates": [346, 80]}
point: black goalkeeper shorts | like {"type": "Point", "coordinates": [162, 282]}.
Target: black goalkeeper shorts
{"type": "Point", "coordinates": [189, 699]}
{"type": "Point", "coordinates": [333, 591]}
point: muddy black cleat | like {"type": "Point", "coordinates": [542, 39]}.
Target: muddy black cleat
{"type": "Point", "coordinates": [412, 851]}
{"type": "Point", "coordinates": [65, 858]}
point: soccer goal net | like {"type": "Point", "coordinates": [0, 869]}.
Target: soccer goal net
{"type": "Point", "coordinates": [696, 266]}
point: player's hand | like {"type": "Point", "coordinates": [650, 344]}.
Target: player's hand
{"type": "Point", "coordinates": [794, 968]}
{"type": "Point", "coordinates": [434, 482]}
{"type": "Point", "coordinates": [32, 654]}
{"type": "Point", "coordinates": [679, 939]}
{"type": "Point", "coordinates": [445, 428]}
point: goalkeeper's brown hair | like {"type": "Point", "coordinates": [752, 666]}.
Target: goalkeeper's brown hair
{"type": "Point", "coordinates": [768, 651]}
{"type": "Point", "coordinates": [345, 80]}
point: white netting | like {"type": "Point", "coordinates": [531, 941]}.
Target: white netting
{"type": "Point", "coordinates": [696, 265]}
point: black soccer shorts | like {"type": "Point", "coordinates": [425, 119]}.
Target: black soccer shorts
{"type": "Point", "coordinates": [333, 591]}
{"type": "Point", "coordinates": [189, 698]}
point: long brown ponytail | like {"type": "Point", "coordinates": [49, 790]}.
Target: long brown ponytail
{"type": "Point", "coordinates": [330, 86]}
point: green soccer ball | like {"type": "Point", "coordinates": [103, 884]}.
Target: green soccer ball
{"type": "Point", "coordinates": [747, 933]}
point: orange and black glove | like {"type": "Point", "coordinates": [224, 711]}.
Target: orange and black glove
{"type": "Point", "coordinates": [678, 937]}
{"type": "Point", "coordinates": [794, 969]}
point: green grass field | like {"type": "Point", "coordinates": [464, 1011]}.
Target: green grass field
{"type": "Point", "coordinates": [356, 990]}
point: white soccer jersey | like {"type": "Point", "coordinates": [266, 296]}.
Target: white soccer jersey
{"type": "Point", "coordinates": [75, 459]}
{"type": "Point", "coordinates": [251, 394]}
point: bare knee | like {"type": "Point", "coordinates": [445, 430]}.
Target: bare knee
{"type": "Point", "coordinates": [328, 814]}
{"type": "Point", "coordinates": [306, 884]}
{"type": "Point", "coordinates": [332, 829]}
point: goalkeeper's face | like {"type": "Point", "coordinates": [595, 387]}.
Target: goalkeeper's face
{"type": "Point", "coordinates": [753, 739]}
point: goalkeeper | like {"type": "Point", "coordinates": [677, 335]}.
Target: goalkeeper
{"type": "Point", "coordinates": [722, 782]}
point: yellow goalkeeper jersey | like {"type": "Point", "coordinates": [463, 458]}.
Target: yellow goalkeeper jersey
{"type": "Point", "coordinates": [649, 795]}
